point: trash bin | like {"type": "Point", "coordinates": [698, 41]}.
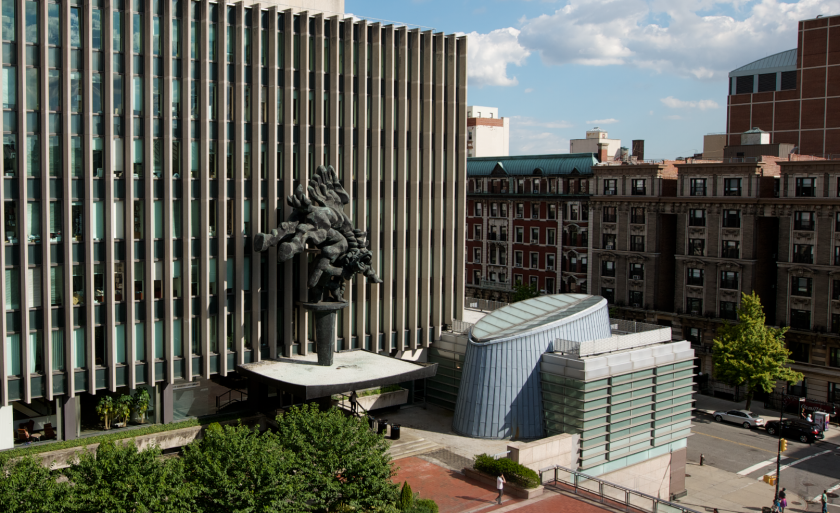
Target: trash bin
{"type": "Point", "coordinates": [383, 427]}
{"type": "Point", "coordinates": [395, 431]}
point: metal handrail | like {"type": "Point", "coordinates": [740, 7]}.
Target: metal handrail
{"type": "Point", "coordinates": [242, 396]}
{"type": "Point", "coordinates": [577, 478]}
{"type": "Point", "coordinates": [358, 404]}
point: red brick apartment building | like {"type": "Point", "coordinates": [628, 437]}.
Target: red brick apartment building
{"type": "Point", "coordinates": [527, 222]}
{"type": "Point", "coordinates": [794, 95]}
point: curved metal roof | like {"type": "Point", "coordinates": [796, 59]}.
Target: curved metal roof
{"type": "Point", "coordinates": [530, 314]}
{"type": "Point", "coordinates": [562, 164]}
{"type": "Point", "coordinates": [782, 61]}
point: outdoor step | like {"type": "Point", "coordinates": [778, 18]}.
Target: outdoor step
{"type": "Point", "coordinates": [412, 448]}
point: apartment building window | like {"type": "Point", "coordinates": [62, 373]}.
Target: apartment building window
{"type": "Point", "coordinates": [835, 289]}
{"type": "Point", "coordinates": [694, 277]}
{"type": "Point", "coordinates": [610, 187]}
{"type": "Point", "coordinates": [728, 280]}
{"type": "Point", "coordinates": [697, 247]}
{"type": "Point", "coordinates": [637, 271]}
{"type": "Point", "coordinates": [476, 277]}
{"type": "Point", "coordinates": [608, 294]}
{"type": "Point", "coordinates": [609, 214]}
{"type": "Point", "coordinates": [535, 260]}
{"type": "Point", "coordinates": [535, 235]}
{"type": "Point", "coordinates": [492, 255]}
{"type": "Point", "coordinates": [804, 221]}
{"type": "Point", "coordinates": [476, 255]}
{"type": "Point", "coordinates": [477, 231]}
{"type": "Point", "coordinates": [573, 263]}
{"type": "Point", "coordinates": [517, 258]}
{"type": "Point", "coordinates": [834, 360]}
{"type": "Point", "coordinates": [697, 187]}
{"type": "Point", "coordinates": [800, 286]}
{"type": "Point", "coordinates": [834, 392]}
{"type": "Point", "coordinates": [836, 255]}
{"type": "Point", "coordinates": [502, 257]}
{"type": "Point", "coordinates": [609, 241]}
{"type": "Point", "coordinates": [803, 253]}
{"type": "Point", "coordinates": [535, 282]}
{"type": "Point", "coordinates": [549, 261]}
{"type": "Point", "coordinates": [503, 234]}
{"type": "Point", "coordinates": [494, 210]}
{"type": "Point", "coordinates": [520, 186]}
{"type": "Point", "coordinates": [492, 276]}
{"type": "Point", "coordinates": [493, 234]}
{"type": "Point", "coordinates": [574, 212]}
{"type": "Point", "coordinates": [552, 237]}
{"type": "Point", "coordinates": [503, 210]}
{"type": "Point", "coordinates": [730, 249]}
{"type": "Point", "coordinates": [520, 210]}
{"type": "Point", "coordinates": [552, 211]}
{"type": "Point", "coordinates": [806, 187]}
{"type": "Point", "coordinates": [638, 187]}
{"type": "Point", "coordinates": [728, 310]}
{"type": "Point", "coordinates": [696, 217]}
{"type": "Point", "coordinates": [520, 234]}
{"type": "Point", "coordinates": [535, 186]}
{"type": "Point", "coordinates": [608, 268]}
{"type": "Point", "coordinates": [535, 210]}
{"type": "Point", "coordinates": [549, 286]}
{"type": "Point", "coordinates": [517, 280]}
{"type": "Point", "coordinates": [637, 243]}
{"type": "Point", "coordinates": [694, 335]}
{"type": "Point", "coordinates": [694, 306]}
{"type": "Point", "coordinates": [637, 215]}
{"type": "Point", "coordinates": [731, 218]}
{"type": "Point", "coordinates": [837, 222]}
{"type": "Point", "coordinates": [799, 351]}
{"type": "Point", "coordinates": [731, 186]}
{"type": "Point", "coordinates": [636, 298]}
{"type": "Point", "coordinates": [477, 211]}
{"type": "Point", "coordinates": [835, 329]}
{"type": "Point", "coordinates": [800, 320]}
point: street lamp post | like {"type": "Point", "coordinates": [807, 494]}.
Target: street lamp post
{"type": "Point", "coordinates": [779, 453]}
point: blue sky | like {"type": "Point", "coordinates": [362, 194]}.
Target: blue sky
{"type": "Point", "coordinates": [640, 69]}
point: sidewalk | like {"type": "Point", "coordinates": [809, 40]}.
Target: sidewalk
{"type": "Point", "coordinates": [709, 487]}
{"type": "Point", "coordinates": [708, 404]}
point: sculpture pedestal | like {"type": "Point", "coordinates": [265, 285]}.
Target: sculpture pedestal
{"type": "Point", "coordinates": [325, 328]}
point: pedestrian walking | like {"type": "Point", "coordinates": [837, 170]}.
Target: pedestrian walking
{"type": "Point", "coordinates": [809, 419]}
{"type": "Point", "coordinates": [500, 485]}
{"type": "Point", "coordinates": [782, 500]}
{"type": "Point", "coordinates": [354, 402]}
{"type": "Point", "coordinates": [825, 501]}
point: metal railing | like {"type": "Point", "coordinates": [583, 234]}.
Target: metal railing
{"type": "Point", "coordinates": [461, 326]}
{"type": "Point", "coordinates": [604, 491]}
{"type": "Point", "coordinates": [221, 403]}
{"type": "Point", "coordinates": [483, 304]}
{"type": "Point", "coordinates": [498, 285]}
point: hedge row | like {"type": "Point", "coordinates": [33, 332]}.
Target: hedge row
{"type": "Point", "coordinates": [38, 448]}
{"type": "Point", "coordinates": [513, 472]}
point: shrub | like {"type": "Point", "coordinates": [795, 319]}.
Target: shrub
{"type": "Point", "coordinates": [513, 472]}
{"type": "Point", "coordinates": [406, 498]}
{"type": "Point", "coordinates": [425, 506]}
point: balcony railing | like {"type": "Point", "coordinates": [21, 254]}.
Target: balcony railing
{"type": "Point", "coordinates": [496, 285]}
{"type": "Point", "coordinates": [483, 304]}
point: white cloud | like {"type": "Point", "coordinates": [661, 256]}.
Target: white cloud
{"type": "Point", "coordinates": [533, 142]}
{"type": "Point", "coordinates": [529, 90]}
{"type": "Point", "coordinates": [520, 121]}
{"type": "Point", "coordinates": [490, 54]}
{"type": "Point", "coordinates": [674, 36]}
{"type": "Point", "coordinates": [608, 121]}
{"type": "Point", "coordinates": [673, 117]}
{"type": "Point", "coordinates": [675, 103]}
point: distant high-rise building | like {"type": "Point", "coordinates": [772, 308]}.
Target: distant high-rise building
{"type": "Point", "coordinates": [488, 135]}
{"type": "Point", "coordinates": [594, 143]}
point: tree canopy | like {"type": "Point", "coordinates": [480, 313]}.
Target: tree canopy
{"type": "Point", "coordinates": [751, 354]}
{"type": "Point", "coordinates": [522, 292]}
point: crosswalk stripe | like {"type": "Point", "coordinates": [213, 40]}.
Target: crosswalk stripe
{"type": "Point", "coordinates": [797, 462]}
{"type": "Point", "coordinates": [750, 470]}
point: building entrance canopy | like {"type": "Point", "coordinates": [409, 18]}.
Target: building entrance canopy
{"type": "Point", "coordinates": [351, 370]}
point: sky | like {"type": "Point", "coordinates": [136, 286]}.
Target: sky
{"type": "Point", "coordinates": [640, 69]}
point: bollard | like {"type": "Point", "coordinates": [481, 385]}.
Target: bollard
{"type": "Point", "coordinates": [701, 459]}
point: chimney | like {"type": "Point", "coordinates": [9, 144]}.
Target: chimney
{"type": "Point", "coordinates": [603, 152]}
{"type": "Point", "coordinates": [639, 149]}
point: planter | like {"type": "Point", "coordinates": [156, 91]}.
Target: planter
{"type": "Point", "coordinates": [510, 488]}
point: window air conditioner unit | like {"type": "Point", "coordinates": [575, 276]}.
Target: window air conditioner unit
{"type": "Point", "coordinates": [610, 246]}
{"type": "Point", "coordinates": [550, 267]}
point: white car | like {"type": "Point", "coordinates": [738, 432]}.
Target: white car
{"type": "Point", "coordinates": [746, 418]}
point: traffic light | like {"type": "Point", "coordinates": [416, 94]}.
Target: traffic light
{"type": "Point", "coordinates": [783, 445]}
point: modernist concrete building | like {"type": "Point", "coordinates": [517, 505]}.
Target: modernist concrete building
{"type": "Point", "coordinates": [527, 222]}
{"type": "Point", "coordinates": [792, 94]}
{"type": "Point", "coordinates": [558, 364]}
{"type": "Point", "coordinates": [146, 142]}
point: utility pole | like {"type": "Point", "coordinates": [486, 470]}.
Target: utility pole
{"type": "Point", "coordinates": [779, 453]}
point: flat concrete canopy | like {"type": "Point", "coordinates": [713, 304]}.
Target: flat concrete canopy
{"type": "Point", "coordinates": [352, 370]}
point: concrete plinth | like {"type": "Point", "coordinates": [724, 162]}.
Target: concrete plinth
{"type": "Point", "coordinates": [325, 329]}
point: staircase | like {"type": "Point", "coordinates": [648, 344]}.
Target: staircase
{"type": "Point", "coordinates": [405, 447]}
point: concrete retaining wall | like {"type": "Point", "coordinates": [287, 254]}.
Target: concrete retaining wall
{"type": "Point", "coordinates": [375, 402]}
{"type": "Point", "coordinates": [555, 450]}
{"type": "Point", "coordinates": [510, 488]}
{"type": "Point", "coordinates": [652, 477]}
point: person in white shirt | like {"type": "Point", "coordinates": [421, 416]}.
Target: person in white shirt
{"type": "Point", "coordinates": [500, 485]}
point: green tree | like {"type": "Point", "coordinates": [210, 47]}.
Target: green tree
{"type": "Point", "coordinates": [751, 354]}
{"type": "Point", "coordinates": [342, 460]}
{"type": "Point", "coordinates": [121, 479]}
{"type": "Point", "coordinates": [522, 292]}
{"type": "Point", "coordinates": [406, 497]}
{"type": "Point", "coordinates": [235, 469]}
{"type": "Point", "coordinates": [27, 486]}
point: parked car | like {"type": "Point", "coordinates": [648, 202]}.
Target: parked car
{"type": "Point", "coordinates": [795, 429]}
{"type": "Point", "coordinates": [745, 418]}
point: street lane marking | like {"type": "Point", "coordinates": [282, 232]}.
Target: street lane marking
{"type": "Point", "coordinates": [797, 462]}
{"type": "Point", "coordinates": [733, 442]}
{"type": "Point", "coordinates": [757, 466]}
{"type": "Point", "coordinates": [818, 498]}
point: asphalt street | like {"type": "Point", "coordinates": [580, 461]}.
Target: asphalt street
{"type": "Point", "coordinates": [811, 468]}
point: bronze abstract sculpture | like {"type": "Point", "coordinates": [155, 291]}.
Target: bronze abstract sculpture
{"type": "Point", "coordinates": [319, 221]}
